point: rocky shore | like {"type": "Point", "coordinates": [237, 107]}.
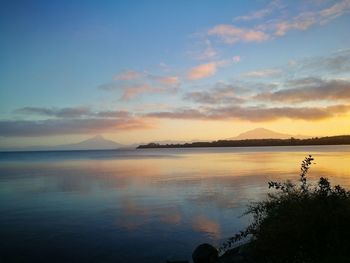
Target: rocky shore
{"type": "Point", "coordinates": [206, 253]}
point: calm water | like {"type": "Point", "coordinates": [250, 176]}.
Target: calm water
{"type": "Point", "coordinates": [140, 205]}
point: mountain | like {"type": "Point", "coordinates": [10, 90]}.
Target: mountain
{"type": "Point", "coordinates": [94, 143]}
{"type": "Point", "coordinates": [262, 133]}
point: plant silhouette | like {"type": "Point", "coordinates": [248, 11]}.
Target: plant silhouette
{"type": "Point", "coordinates": [299, 223]}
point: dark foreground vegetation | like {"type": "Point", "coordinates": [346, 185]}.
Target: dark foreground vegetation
{"type": "Point", "coordinates": [296, 223]}
{"type": "Point", "coordinates": [332, 140]}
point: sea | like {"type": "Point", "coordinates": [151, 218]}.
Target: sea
{"type": "Point", "coordinates": [141, 205]}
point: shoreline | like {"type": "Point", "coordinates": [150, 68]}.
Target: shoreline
{"type": "Point", "coordinates": [332, 140]}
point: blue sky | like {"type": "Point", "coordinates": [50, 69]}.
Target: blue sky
{"type": "Point", "coordinates": [163, 65]}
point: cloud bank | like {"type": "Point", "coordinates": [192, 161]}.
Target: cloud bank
{"type": "Point", "coordinates": [71, 126]}
{"type": "Point", "coordinates": [310, 89]}
{"type": "Point", "coordinates": [277, 27]}
{"type": "Point", "coordinates": [255, 113]}
{"type": "Point", "coordinates": [133, 84]}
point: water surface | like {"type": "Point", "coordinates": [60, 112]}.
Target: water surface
{"type": "Point", "coordinates": [148, 205]}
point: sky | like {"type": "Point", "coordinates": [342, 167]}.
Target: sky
{"type": "Point", "coordinates": [141, 71]}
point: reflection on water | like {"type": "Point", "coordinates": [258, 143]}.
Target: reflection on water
{"type": "Point", "coordinates": [140, 205]}
{"type": "Point", "coordinates": [203, 224]}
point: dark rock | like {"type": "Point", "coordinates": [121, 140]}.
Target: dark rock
{"type": "Point", "coordinates": [205, 253]}
{"type": "Point", "coordinates": [240, 254]}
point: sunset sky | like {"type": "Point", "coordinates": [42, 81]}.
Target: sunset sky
{"type": "Point", "coordinates": [139, 71]}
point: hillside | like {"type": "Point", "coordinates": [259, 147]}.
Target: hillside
{"type": "Point", "coordinates": [262, 133]}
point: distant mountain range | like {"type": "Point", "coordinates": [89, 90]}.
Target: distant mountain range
{"type": "Point", "coordinates": [262, 133]}
{"type": "Point", "coordinates": [94, 143]}
{"type": "Point", "coordinates": [99, 143]}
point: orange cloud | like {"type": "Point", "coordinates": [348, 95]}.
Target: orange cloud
{"type": "Point", "coordinates": [132, 84]}
{"type": "Point", "coordinates": [135, 124]}
{"type": "Point", "coordinates": [169, 80]}
{"type": "Point", "coordinates": [134, 91]}
{"type": "Point", "coordinates": [301, 22]}
{"type": "Point", "coordinates": [202, 71]}
{"type": "Point", "coordinates": [127, 75]}
{"type": "Point", "coordinates": [231, 34]}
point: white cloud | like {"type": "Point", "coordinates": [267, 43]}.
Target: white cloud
{"type": "Point", "coordinates": [262, 73]}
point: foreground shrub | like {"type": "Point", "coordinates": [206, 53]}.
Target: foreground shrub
{"type": "Point", "coordinates": [299, 222]}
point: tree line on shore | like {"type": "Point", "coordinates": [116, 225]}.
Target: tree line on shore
{"type": "Point", "coordinates": [329, 140]}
